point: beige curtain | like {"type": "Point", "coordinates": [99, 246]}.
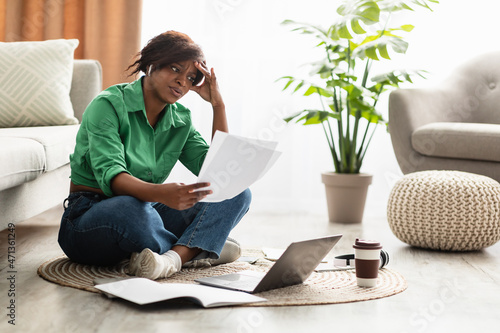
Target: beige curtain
{"type": "Point", "coordinates": [108, 30]}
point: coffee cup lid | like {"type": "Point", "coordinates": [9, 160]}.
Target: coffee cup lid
{"type": "Point", "coordinates": [367, 244]}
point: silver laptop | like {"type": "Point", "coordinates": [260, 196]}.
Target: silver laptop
{"type": "Point", "coordinates": [293, 267]}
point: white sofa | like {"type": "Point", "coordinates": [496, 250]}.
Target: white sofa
{"type": "Point", "coordinates": [34, 161]}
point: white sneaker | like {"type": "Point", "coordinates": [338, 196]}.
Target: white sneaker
{"type": "Point", "coordinates": [229, 253]}
{"type": "Point", "coordinates": [151, 265]}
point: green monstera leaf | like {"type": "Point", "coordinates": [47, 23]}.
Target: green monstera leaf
{"type": "Point", "coordinates": [352, 13]}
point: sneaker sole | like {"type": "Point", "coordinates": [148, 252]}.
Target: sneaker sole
{"type": "Point", "coordinates": [146, 263]}
{"type": "Point", "coordinates": [230, 252]}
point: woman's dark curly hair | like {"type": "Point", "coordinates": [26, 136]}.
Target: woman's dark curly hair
{"type": "Point", "coordinates": [168, 48]}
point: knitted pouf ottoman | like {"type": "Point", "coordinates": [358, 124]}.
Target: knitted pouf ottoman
{"type": "Point", "coordinates": [445, 210]}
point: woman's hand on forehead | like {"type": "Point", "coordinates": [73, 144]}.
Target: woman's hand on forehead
{"type": "Point", "coordinates": [209, 89]}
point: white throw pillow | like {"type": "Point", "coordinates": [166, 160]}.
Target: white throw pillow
{"type": "Point", "coordinates": [35, 81]}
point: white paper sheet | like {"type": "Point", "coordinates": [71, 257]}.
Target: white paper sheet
{"type": "Point", "coordinates": [233, 163]}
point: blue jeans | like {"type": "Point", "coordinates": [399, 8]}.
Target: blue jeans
{"type": "Point", "coordinates": [98, 230]}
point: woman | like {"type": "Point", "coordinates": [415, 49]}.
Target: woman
{"type": "Point", "coordinates": [130, 138]}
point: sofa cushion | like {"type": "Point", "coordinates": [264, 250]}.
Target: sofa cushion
{"type": "Point", "coordinates": [22, 160]}
{"type": "Point", "coordinates": [58, 142]}
{"type": "Point", "coordinates": [35, 83]}
{"type": "Point", "coordinates": [458, 140]}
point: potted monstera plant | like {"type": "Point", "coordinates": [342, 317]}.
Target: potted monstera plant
{"type": "Point", "coordinates": [347, 91]}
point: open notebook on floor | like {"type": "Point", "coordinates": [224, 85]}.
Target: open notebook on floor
{"type": "Point", "coordinates": [293, 267]}
{"type": "Point", "coordinates": [144, 291]}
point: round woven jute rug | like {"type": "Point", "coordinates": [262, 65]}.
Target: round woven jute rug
{"type": "Point", "coordinates": [320, 288]}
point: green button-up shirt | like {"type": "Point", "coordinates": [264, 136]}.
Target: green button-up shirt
{"type": "Point", "coordinates": [115, 136]}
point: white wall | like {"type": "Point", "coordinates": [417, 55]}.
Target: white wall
{"type": "Point", "coordinates": [249, 49]}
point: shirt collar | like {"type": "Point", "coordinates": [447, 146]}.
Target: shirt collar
{"type": "Point", "coordinates": [134, 100]}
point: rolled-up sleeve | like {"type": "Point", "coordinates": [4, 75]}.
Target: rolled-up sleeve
{"type": "Point", "coordinates": [106, 150]}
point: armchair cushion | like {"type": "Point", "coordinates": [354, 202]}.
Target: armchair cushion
{"type": "Point", "coordinates": [471, 141]}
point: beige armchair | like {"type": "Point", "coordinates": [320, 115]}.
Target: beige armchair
{"type": "Point", "coordinates": [455, 126]}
